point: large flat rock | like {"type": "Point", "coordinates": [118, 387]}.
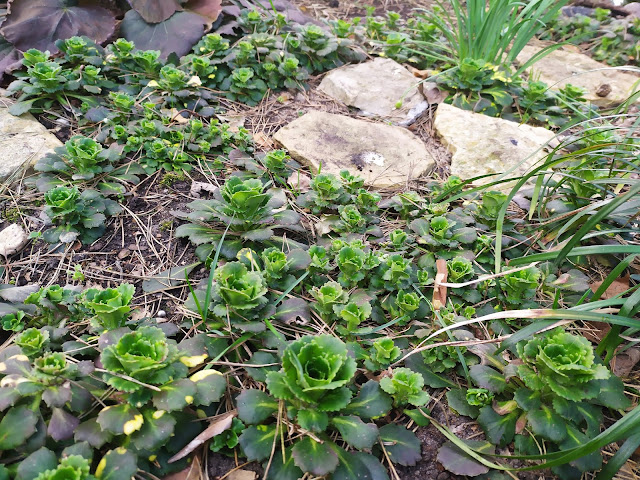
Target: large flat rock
{"type": "Point", "coordinates": [375, 88]}
{"type": "Point", "coordinates": [606, 86]}
{"type": "Point", "coordinates": [383, 155]}
{"type": "Point", "coordinates": [23, 141]}
{"type": "Point", "coordinates": [482, 145]}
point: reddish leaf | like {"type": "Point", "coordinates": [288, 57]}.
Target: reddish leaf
{"type": "Point", "coordinates": [39, 23]}
{"type": "Point", "coordinates": [155, 11]}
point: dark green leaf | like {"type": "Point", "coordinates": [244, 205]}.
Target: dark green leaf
{"type": "Point", "coordinates": [257, 441]}
{"type": "Point", "coordinates": [120, 419]}
{"type": "Point", "coordinates": [210, 386]}
{"type": "Point", "coordinates": [175, 395]}
{"type": "Point", "coordinates": [118, 464]}
{"type": "Point", "coordinates": [255, 406]}
{"type": "Point", "coordinates": [401, 444]}
{"type": "Point", "coordinates": [487, 377]}
{"type": "Point", "coordinates": [17, 425]}
{"type": "Point", "coordinates": [498, 428]}
{"type": "Point", "coordinates": [527, 399]}
{"type": "Point", "coordinates": [457, 400]}
{"type": "Point", "coordinates": [156, 430]}
{"type": "Point", "coordinates": [371, 401]}
{"type": "Point", "coordinates": [612, 393]}
{"type": "Point", "coordinates": [314, 457]}
{"type": "Point", "coordinates": [313, 420]}
{"type": "Point", "coordinates": [418, 416]}
{"type": "Point", "coordinates": [548, 424]}
{"type": "Point", "coordinates": [36, 463]}
{"type": "Point", "coordinates": [416, 363]}
{"type": "Point", "coordinates": [357, 466]}
{"type": "Point", "coordinates": [61, 425]}
{"type": "Point", "coordinates": [262, 358]}
{"type": "Point", "coordinates": [168, 279]}
{"type": "Point", "coordinates": [458, 462]}
{"type": "Point", "coordinates": [91, 432]}
{"type": "Point", "coordinates": [355, 432]}
{"type": "Point", "coordinates": [293, 308]}
{"type": "Point", "coordinates": [284, 469]}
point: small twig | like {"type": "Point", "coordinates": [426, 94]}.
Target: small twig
{"type": "Point", "coordinates": [130, 379]}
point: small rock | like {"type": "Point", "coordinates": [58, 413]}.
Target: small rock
{"type": "Point", "coordinates": [375, 88]}
{"type": "Point", "coordinates": [561, 67]}
{"type": "Point", "coordinates": [12, 239]}
{"type": "Point", "coordinates": [162, 313]}
{"type": "Point", "coordinates": [383, 155]}
{"type": "Point", "coordinates": [124, 253]}
{"type": "Point", "coordinates": [23, 141]}
{"type": "Point", "coordinates": [482, 145]}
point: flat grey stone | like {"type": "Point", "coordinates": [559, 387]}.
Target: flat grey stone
{"type": "Point", "coordinates": [482, 145]}
{"type": "Point", "coordinates": [383, 155]}
{"type": "Point", "coordinates": [12, 239]}
{"type": "Point", "coordinates": [375, 87]}
{"type": "Point", "coordinates": [23, 141]}
{"type": "Point", "coordinates": [606, 86]}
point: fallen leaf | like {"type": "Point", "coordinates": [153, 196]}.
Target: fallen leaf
{"type": "Point", "coordinates": [168, 279]}
{"type": "Point", "coordinates": [263, 140]}
{"type": "Point", "coordinates": [424, 74]}
{"type": "Point", "coordinates": [242, 475]}
{"type": "Point", "coordinates": [217, 426]}
{"type": "Point", "coordinates": [620, 285]}
{"type": "Point", "coordinates": [623, 363]}
{"type": "Point", "coordinates": [234, 121]}
{"type": "Point", "coordinates": [197, 187]}
{"type": "Point", "coordinates": [440, 292]}
{"type": "Point", "coordinates": [192, 472]}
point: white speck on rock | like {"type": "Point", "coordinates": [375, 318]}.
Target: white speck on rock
{"type": "Point", "coordinates": [373, 157]}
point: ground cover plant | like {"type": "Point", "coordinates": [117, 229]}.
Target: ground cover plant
{"type": "Point", "coordinates": [318, 352]}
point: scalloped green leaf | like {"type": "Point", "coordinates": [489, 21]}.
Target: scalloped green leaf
{"type": "Point", "coordinates": [293, 308]}
{"type": "Point", "coordinates": [257, 441]}
{"type": "Point", "coordinates": [457, 400]}
{"type": "Point", "coordinates": [36, 463]}
{"type": "Point", "coordinates": [298, 259]}
{"type": "Point", "coordinates": [314, 457]}
{"type": "Point", "coordinates": [156, 429]}
{"type": "Point", "coordinates": [313, 420]}
{"type": "Point", "coordinates": [357, 466]}
{"type": "Point", "coordinates": [355, 432]}
{"type": "Point", "coordinates": [401, 444]}
{"type": "Point", "coordinates": [487, 377]}
{"type": "Point", "coordinates": [612, 393]}
{"type": "Point", "coordinates": [168, 279]}
{"type": "Point", "coordinates": [118, 464]}
{"type": "Point", "coordinates": [371, 401]}
{"type": "Point", "coordinates": [262, 358]}
{"type": "Point", "coordinates": [16, 426]}
{"type": "Point", "coordinates": [197, 234]}
{"type": "Point", "coordinates": [548, 424]}
{"type": "Point", "coordinates": [527, 399]}
{"type": "Point", "coordinates": [175, 395]}
{"type": "Point", "coordinates": [284, 469]}
{"type": "Point", "coordinates": [458, 462]}
{"type": "Point", "coordinates": [210, 386]}
{"type": "Point", "coordinates": [91, 432]}
{"type": "Point", "coordinates": [255, 406]}
{"type": "Point", "coordinates": [120, 419]}
{"type": "Point", "coordinates": [499, 429]}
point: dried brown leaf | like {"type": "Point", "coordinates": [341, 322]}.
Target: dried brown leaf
{"type": "Point", "coordinates": [217, 426]}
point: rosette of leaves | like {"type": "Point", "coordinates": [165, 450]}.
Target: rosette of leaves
{"type": "Point", "coordinates": [277, 266]}
{"type": "Point", "coordinates": [53, 368]}
{"type": "Point", "coordinates": [73, 467]}
{"type": "Point", "coordinates": [32, 341]}
{"type": "Point", "coordinates": [327, 192]}
{"type": "Point", "coordinates": [489, 208]}
{"type": "Point", "coordinates": [54, 304]}
{"type": "Point", "coordinates": [520, 286]}
{"type": "Point", "coordinates": [278, 164]}
{"type": "Point", "coordinates": [228, 440]}
{"type": "Point", "coordinates": [328, 297]}
{"type": "Point", "coordinates": [442, 231]}
{"type": "Point", "coordinates": [405, 306]}
{"type": "Point", "coordinates": [479, 86]}
{"type": "Point", "coordinates": [319, 50]}
{"type": "Point", "coordinates": [246, 206]}
{"type": "Point", "coordinates": [563, 363]}
{"type": "Point", "coordinates": [13, 322]}
{"type": "Point", "coordinates": [243, 86]}
{"type": "Point", "coordinates": [459, 269]}
{"type": "Point", "coordinates": [313, 384]}
{"type": "Point", "coordinates": [110, 306]}
{"type": "Point", "coordinates": [80, 159]}
{"type": "Point", "coordinates": [240, 296]}
{"type": "Point", "coordinates": [560, 398]}
{"type": "Point", "coordinates": [405, 387]}
{"type": "Point", "coordinates": [394, 272]}
{"type": "Point", "coordinates": [76, 215]}
{"type": "Point", "coordinates": [147, 356]}
{"type": "Point", "coordinates": [383, 352]}
{"type": "Point", "coordinates": [353, 314]}
{"type": "Point", "coordinates": [479, 397]}
{"type": "Point", "coordinates": [81, 50]}
{"type": "Point", "coordinates": [407, 204]}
